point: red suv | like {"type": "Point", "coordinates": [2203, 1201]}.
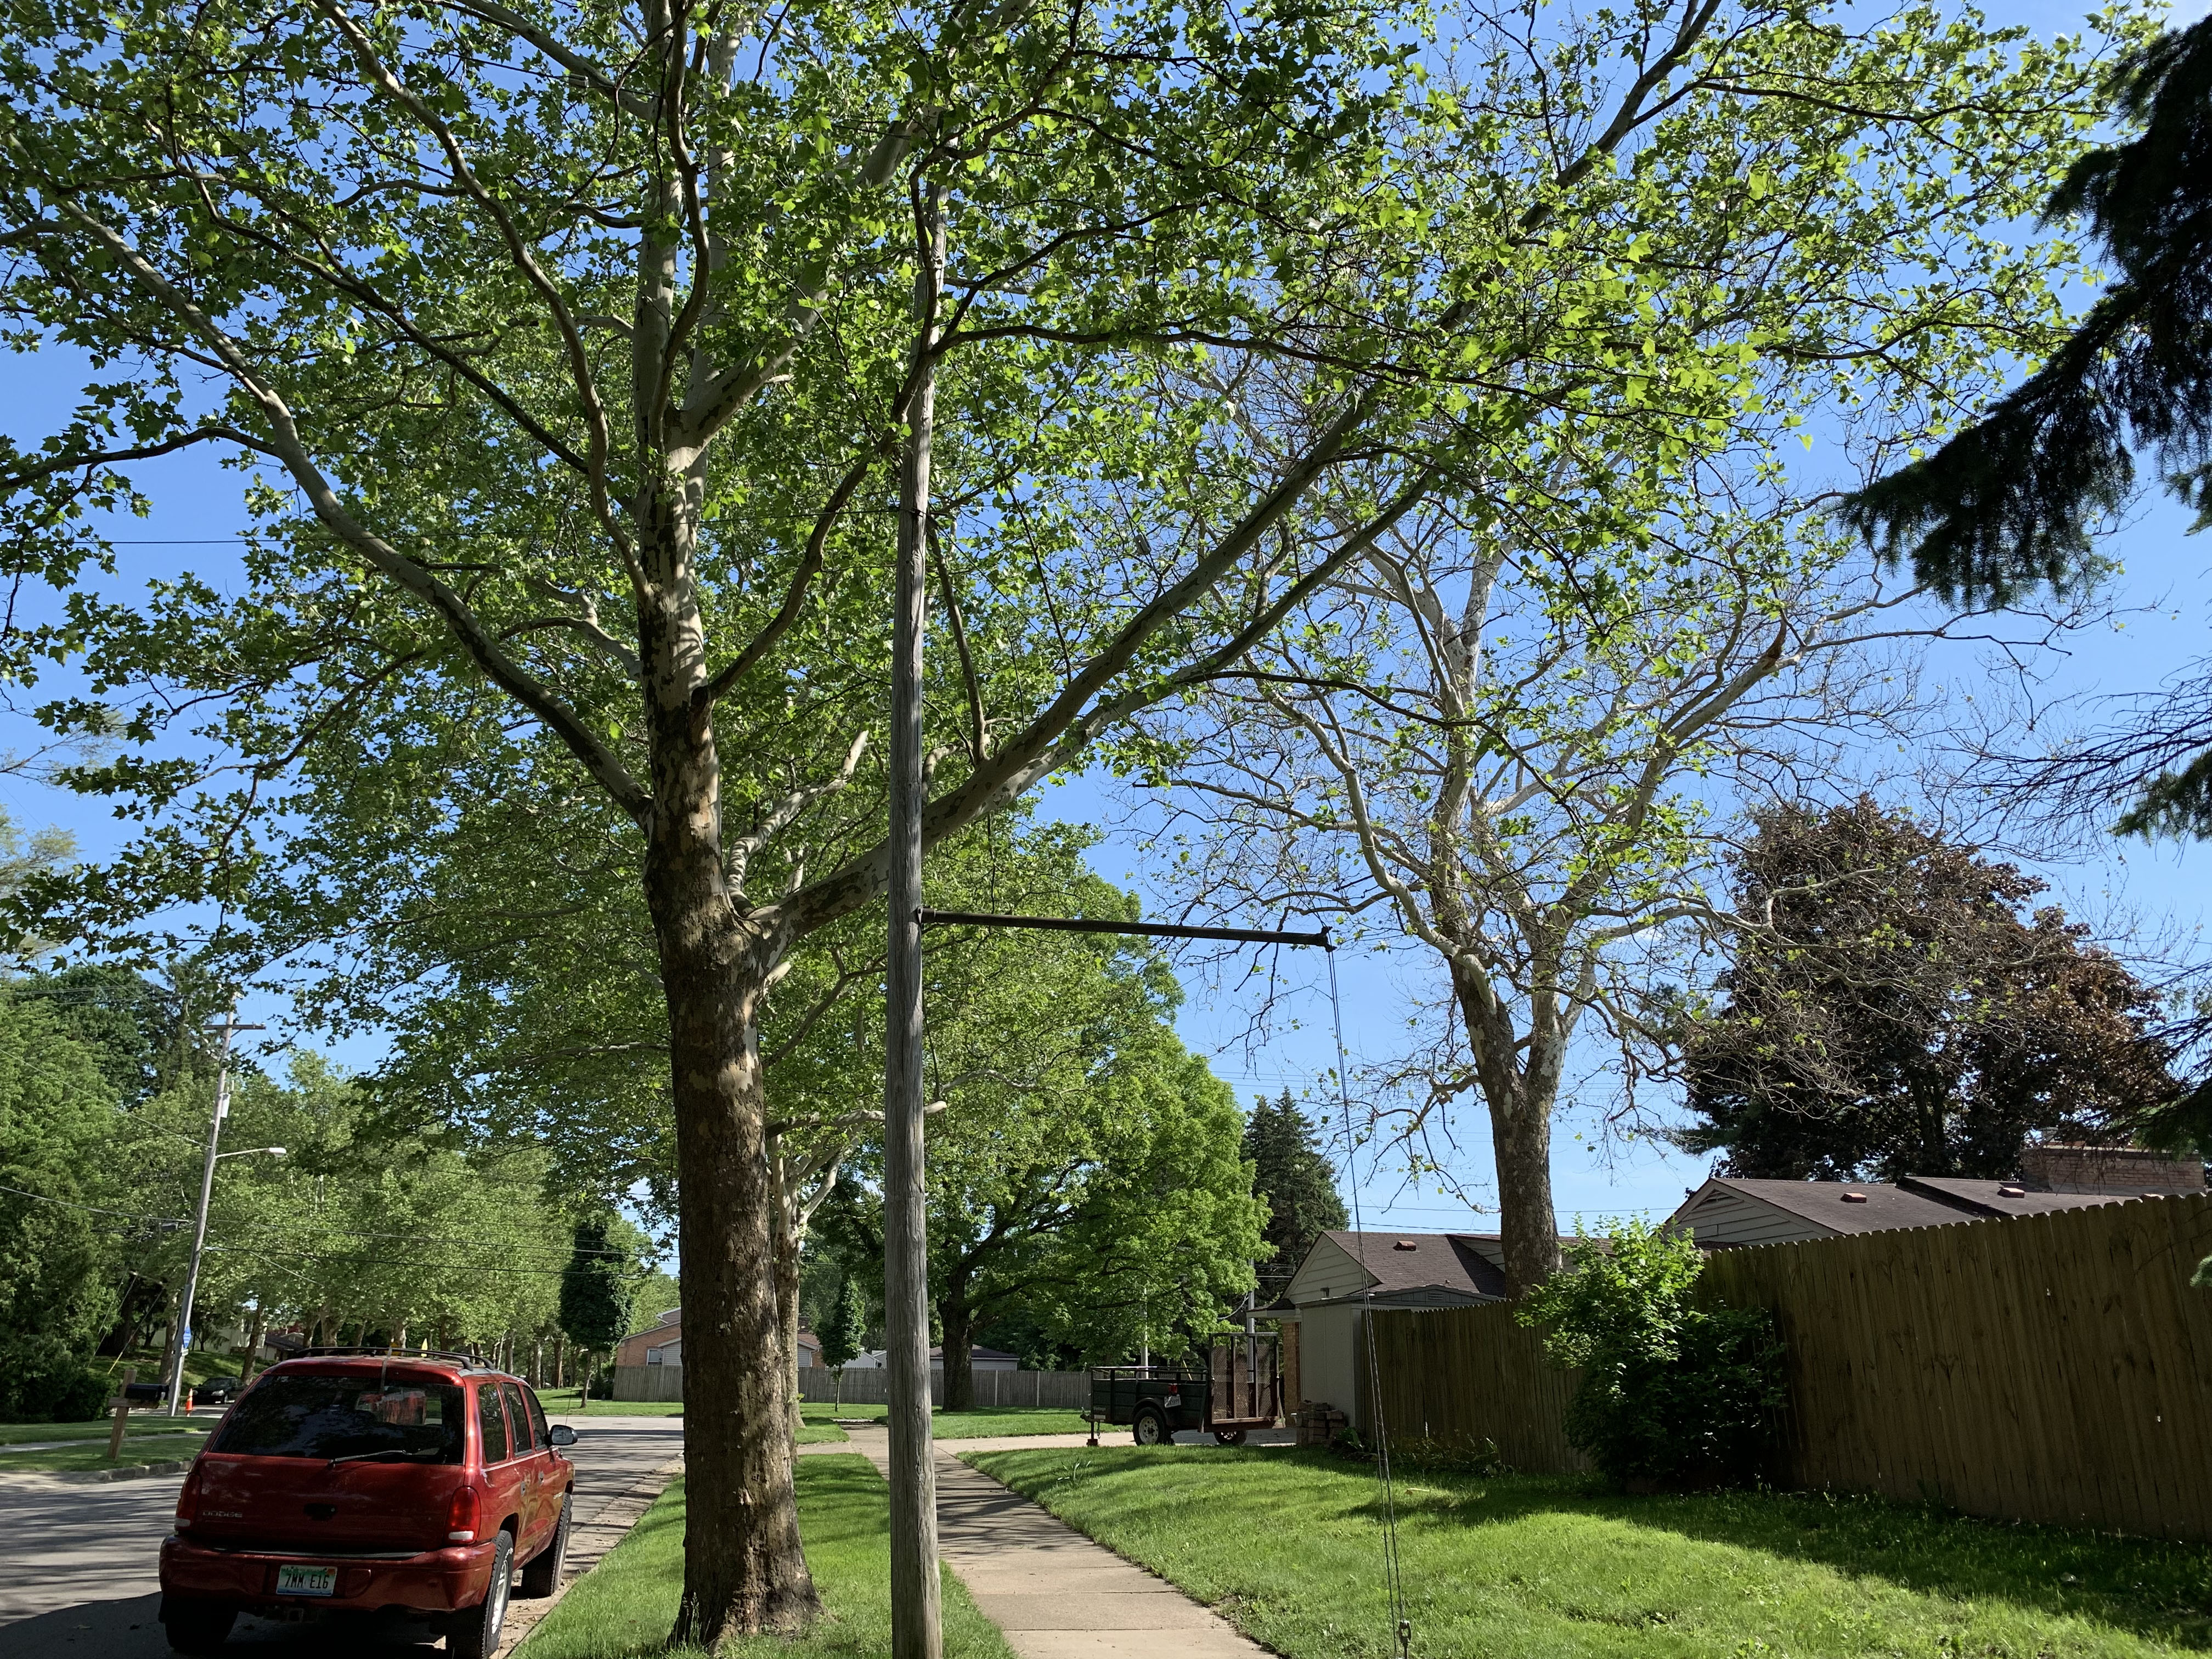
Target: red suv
{"type": "Point", "coordinates": [371, 1480]}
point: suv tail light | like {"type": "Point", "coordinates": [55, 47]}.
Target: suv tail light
{"type": "Point", "coordinates": [188, 1499]}
{"type": "Point", "coordinates": [461, 1518]}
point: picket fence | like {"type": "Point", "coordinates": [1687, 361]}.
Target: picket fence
{"type": "Point", "coordinates": [1069, 1390]}
{"type": "Point", "coordinates": [2054, 1368]}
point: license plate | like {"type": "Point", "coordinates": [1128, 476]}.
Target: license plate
{"type": "Point", "coordinates": [307, 1580]}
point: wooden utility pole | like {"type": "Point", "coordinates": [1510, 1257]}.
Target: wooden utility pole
{"type": "Point", "coordinates": [121, 1406]}
{"type": "Point", "coordinates": [915, 1633]}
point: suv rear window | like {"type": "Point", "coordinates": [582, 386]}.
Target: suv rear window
{"type": "Point", "coordinates": [490, 1424]}
{"type": "Point", "coordinates": [344, 1416]}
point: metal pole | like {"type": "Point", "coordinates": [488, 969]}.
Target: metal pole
{"type": "Point", "coordinates": [199, 1227]}
{"type": "Point", "coordinates": [915, 1630]}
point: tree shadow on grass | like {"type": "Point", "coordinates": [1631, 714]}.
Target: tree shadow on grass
{"type": "Point", "coordinates": [624, 1608]}
{"type": "Point", "coordinates": [2147, 1588]}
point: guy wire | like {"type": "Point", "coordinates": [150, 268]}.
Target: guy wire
{"type": "Point", "coordinates": [1394, 1577]}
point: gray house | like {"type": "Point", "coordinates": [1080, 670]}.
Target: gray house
{"type": "Point", "coordinates": [1728, 1212]}
{"type": "Point", "coordinates": [1345, 1274]}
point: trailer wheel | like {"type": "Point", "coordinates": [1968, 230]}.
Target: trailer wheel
{"type": "Point", "coordinates": [1151, 1427]}
{"type": "Point", "coordinates": [1230, 1437]}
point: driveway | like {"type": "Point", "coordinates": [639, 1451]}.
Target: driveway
{"type": "Point", "coordinates": [77, 1569]}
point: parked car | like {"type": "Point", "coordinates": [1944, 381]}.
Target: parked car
{"type": "Point", "coordinates": [215, 1391]}
{"type": "Point", "coordinates": [366, 1481]}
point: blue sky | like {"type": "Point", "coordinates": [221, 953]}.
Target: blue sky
{"type": "Point", "coordinates": [2162, 598]}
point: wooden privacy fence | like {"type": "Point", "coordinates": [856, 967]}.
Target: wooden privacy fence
{"type": "Point", "coordinates": [1463, 1376]}
{"type": "Point", "coordinates": [648, 1382]}
{"type": "Point", "coordinates": [1004, 1389]}
{"type": "Point", "coordinates": [2053, 1368]}
{"type": "Point", "coordinates": [819, 1385]}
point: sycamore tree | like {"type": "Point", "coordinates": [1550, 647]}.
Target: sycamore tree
{"type": "Point", "coordinates": [1517, 741]}
{"type": "Point", "coordinates": [1514, 729]}
{"type": "Point", "coordinates": [566, 353]}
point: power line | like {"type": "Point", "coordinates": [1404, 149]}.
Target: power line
{"type": "Point", "coordinates": [316, 1256]}
{"type": "Point", "coordinates": [127, 1215]}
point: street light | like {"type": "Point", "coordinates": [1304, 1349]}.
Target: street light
{"type": "Point", "coordinates": [230, 1028]}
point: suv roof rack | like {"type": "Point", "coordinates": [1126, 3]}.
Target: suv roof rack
{"type": "Point", "coordinates": [474, 1361]}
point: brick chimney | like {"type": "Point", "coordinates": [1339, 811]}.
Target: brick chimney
{"type": "Point", "coordinates": [2129, 1169]}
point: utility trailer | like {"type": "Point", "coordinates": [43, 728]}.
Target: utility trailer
{"type": "Point", "coordinates": [1237, 1390]}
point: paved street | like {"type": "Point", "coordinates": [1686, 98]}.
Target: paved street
{"type": "Point", "coordinates": [77, 1563]}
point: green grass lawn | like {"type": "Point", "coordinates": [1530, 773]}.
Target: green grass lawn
{"type": "Point", "coordinates": [626, 1606]}
{"type": "Point", "coordinates": [14, 1434]}
{"type": "Point", "coordinates": [975, 1424]}
{"type": "Point", "coordinates": [1288, 1546]}
{"type": "Point", "coordinates": [89, 1451]}
{"type": "Point", "coordinates": [565, 1402]}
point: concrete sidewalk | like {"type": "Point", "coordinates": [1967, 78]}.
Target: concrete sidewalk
{"type": "Point", "coordinates": [1056, 1594]}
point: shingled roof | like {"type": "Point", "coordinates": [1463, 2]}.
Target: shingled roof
{"type": "Point", "coordinates": [2003, 1198]}
{"type": "Point", "coordinates": [1838, 1207]}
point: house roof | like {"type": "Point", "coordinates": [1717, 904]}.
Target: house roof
{"type": "Point", "coordinates": [1402, 1263]}
{"type": "Point", "coordinates": [1840, 1206]}
{"type": "Point", "coordinates": [2001, 1197]}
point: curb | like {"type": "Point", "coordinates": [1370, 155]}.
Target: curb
{"type": "Point", "coordinates": [606, 1529]}
{"type": "Point", "coordinates": [101, 1477]}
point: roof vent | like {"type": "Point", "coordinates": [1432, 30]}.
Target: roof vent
{"type": "Point", "coordinates": [1405, 1244]}
{"type": "Point", "coordinates": [1854, 1198]}
{"type": "Point", "coordinates": [2012, 1191]}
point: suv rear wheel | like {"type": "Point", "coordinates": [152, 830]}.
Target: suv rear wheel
{"type": "Point", "coordinates": [1150, 1426]}
{"type": "Point", "coordinates": [474, 1633]}
{"type": "Point", "coordinates": [196, 1626]}
{"type": "Point", "coordinates": [543, 1576]}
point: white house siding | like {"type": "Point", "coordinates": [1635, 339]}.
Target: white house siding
{"type": "Point", "coordinates": [1328, 1270]}
{"type": "Point", "coordinates": [1492, 1250]}
{"type": "Point", "coordinates": [1722, 1216]}
{"type": "Point", "coordinates": [1327, 1342]}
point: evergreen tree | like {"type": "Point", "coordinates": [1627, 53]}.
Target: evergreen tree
{"type": "Point", "coordinates": [846, 1330]}
{"type": "Point", "coordinates": [1291, 1172]}
{"type": "Point", "coordinates": [132, 1027]}
{"type": "Point", "coordinates": [2013, 502]}
{"type": "Point", "coordinates": [1890, 1012]}
{"type": "Point", "coordinates": [596, 1287]}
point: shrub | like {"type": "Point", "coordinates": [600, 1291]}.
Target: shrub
{"type": "Point", "coordinates": [42, 1380]}
{"type": "Point", "coordinates": [1671, 1393]}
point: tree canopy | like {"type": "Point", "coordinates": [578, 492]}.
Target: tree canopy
{"type": "Point", "coordinates": [1086, 1184]}
{"type": "Point", "coordinates": [566, 352]}
{"type": "Point", "coordinates": [2016, 500]}
{"type": "Point", "coordinates": [58, 1126]}
{"type": "Point", "coordinates": [2011, 502]}
{"type": "Point", "coordinates": [846, 1331]}
{"type": "Point", "coordinates": [1890, 1011]}
{"type": "Point", "coordinates": [597, 1285]}
{"type": "Point", "coordinates": [1295, 1178]}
